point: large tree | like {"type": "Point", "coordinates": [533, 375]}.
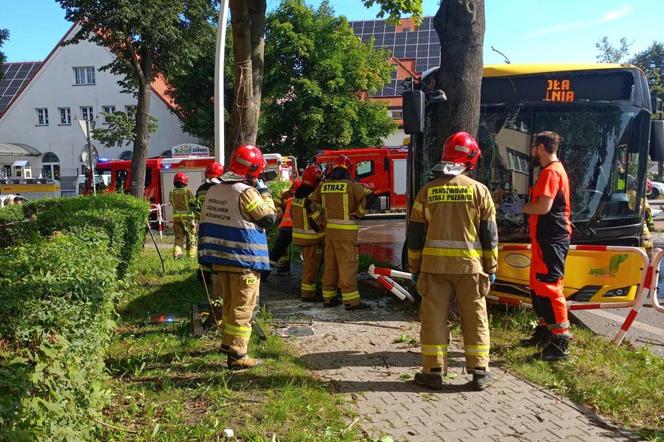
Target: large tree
{"type": "Point", "coordinates": [317, 73]}
{"type": "Point", "coordinates": [4, 35]}
{"type": "Point", "coordinates": [460, 28]}
{"type": "Point", "coordinates": [651, 61]}
{"type": "Point", "coordinates": [148, 38]}
{"type": "Point", "coordinates": [248, 25]}
{"type": "Point", "coordinates": [612, 54]}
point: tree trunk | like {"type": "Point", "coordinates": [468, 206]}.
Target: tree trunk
{"type": "Point", "coordinates": [244, 115]}
{"type": "Point", "coordinates": [140, 154]}
{"type": "Point", "coordinates": [460, 28]}
{"type": "Point", "coordinates": [257, 14]}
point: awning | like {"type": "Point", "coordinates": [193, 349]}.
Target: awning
{"type": "Point", "coordinates": [18, 150]}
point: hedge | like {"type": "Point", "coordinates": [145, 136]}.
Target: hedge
{"type": "Point", "coordinates": [14, 228]}
{"type": "Point", "coordinates": [56, 309]}
{"type": "Point", "coordinates": [121, 216]}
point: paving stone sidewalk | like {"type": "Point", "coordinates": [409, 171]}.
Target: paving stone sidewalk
{"type": "Point", "coordinates": [359, 354]}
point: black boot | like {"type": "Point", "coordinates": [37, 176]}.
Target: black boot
{"type": "Point", "coordinates": [481, 379]}
{"type": "Point", "coordinates": [433, 381]}
{"type": "Point", "coordinates": [333, 302]}
{"type": "Point", "coordinates": [539, 338]}
{"type": "Point", "coordinates": [556, 349]}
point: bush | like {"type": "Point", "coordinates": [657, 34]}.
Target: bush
{"type": "Point", "coordinates": [56, 305]}
{"type": "Point", "coordinates": [121, 216]}
{"type": "Point", "coordinates": [14, 228]}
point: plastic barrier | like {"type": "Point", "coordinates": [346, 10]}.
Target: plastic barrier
{"type": "Point", "coordinates": [159, 210]}
{"type": "Point", "coordinates": [390, 285]}
{"type": "Point", "coordinates": [571, 305]}
{"type": "Point", "coordinates": [648, 284]}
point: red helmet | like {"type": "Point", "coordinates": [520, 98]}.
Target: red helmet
{"type": "Point", "coordinates": [214, 170]}
{"type": "Point", "coordinates": [461, 148]}
{"type": "Point", "coordinates": [311, 176]}
{"type": "Point", "coordinates": [247, 161]}
{"type": "Point", "coordinates": [345, 163]}
{"type": "Point", "coordinates": [296, 185]}
{"type": "Point", "coordinates": [181, 178]}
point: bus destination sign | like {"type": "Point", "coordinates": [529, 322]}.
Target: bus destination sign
{"type": "Point", "coordinates": [559, 90]}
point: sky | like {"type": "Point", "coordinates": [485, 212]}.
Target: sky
{"type": "Point", "coordinates": [527, 31]}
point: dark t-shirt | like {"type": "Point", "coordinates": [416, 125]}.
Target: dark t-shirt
{"type": "Point", "coordinates": [555, 225]}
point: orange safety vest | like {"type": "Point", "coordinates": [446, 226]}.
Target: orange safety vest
{"type": "Point", "coordinates": [287, 220]}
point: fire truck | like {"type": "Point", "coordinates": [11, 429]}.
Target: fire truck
{"type": "Point", "coordinates": [381, 169]}
{"type": "Point", "coordinates": [603, 113]}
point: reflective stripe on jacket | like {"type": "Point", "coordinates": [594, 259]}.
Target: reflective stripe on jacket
{"type": "Point", "coordinates": [303, 234]}
{"type": "Point", "coordinates": [225, 237]}
{"type": "Point", "coordinates": [453, 228]}
{"type": "Point", "coordinates": [180, 199]}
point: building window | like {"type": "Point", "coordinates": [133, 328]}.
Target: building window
{"type": "Point", "coordinates": [131, 109]}
{"type": "Point", "coordinates": [51, 166]}
{"type": "Point", "coordinates": [87, 113]}
{"type": "Point", "coordinates": [84, 75]}
{"type": "Point", "coordinates": [65, 115]}
{"type": "Point", "coordinates": [42, 116]}
{"type": "Point", "coordinates": [107, 110]}
{"type": "Point", "coordinates": [397, 114]}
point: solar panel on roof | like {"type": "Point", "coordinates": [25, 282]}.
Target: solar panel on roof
{"type": "Point", "coordinates": [17, 75]}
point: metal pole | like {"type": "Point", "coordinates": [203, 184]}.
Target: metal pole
{"type": "Point", "coordinates": [90, 160]}
{"type": "Point", "coordinates": [219, 85]}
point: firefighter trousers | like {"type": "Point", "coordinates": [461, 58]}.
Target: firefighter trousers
{"type": "Point", "coordinates": [185, 236]}
{"type": "Point", "coordinates": [341, 271]}
{"type": "Point", "coordinates": [313, 259]}
{"type": "Point", "coordinates": [437, 291]}
{"type": "Point", "coordinates": [239, 292]}
{"type": "Point", "coordinates": [547, 268]}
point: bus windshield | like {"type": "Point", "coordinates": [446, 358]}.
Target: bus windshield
{"type": "Point", "coordinates": [600, 151]}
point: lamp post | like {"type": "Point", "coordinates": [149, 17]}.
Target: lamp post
{"type": "Point", "coordinates": [87, 126]}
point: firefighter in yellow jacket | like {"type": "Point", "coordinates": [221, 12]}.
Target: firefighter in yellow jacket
{"type": "Point", "coordinates": [306, 233]}
{"type": "Point", "coordinates": [233, 242]}
{"type": "Point", "coordinates": [453, 251]}
{"type": "Point", "coordinates": [343, 202]}
{"type": "Point", "coordinates": [184, 223]}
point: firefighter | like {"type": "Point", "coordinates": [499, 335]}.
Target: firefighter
{"type": "Point", "coordinates": [550, 232]}
{"type": "Point", "coordinates": [344, 202]}
{"type": "Point", "coordinates": [306, 233]}
{"type": "Point", "coordinates": [233, 242]}
{"type": "Point", "coordinates": [282, 262]}
{"type": "Point", "coordinates": [184, 225]}
{"type": "Point", "coordinates": [453, 251]}
{"type": "Point", "coordinates": [212, 174]}
{"type": "Point", "coordinates": [284, 237]}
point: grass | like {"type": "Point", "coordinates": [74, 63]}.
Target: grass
{"type": "Point", "coordinates": [169, 386]}
{"type": "Point", "coordinates": [622, 383]}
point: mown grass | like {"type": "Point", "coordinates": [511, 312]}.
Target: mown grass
{"type": "Point", "coordinates": [169, 386]}
{"type": "Point", "coordinates": [623, 383]}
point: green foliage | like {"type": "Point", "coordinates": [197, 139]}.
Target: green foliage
{"type": "Point", "coordinates": [56, 305]}
{"type": "Point", "coordinates": [316, 72]}
{"type": "Point", "coordinates": [193, 88]}
{"type": "Point", "coordinates": [611, 54]}
{"type": "Point", "coordinates": [120, 129]}
{"type": "Point", "coordinates": [394, 8]}
{"type": "Point", "coordinates": [14, 228]}
{"type": "Point", "coordinates": [4, 35]}
{"type": "Point", "coordinates": [121, 216]}
{"type": "Point", "coordinates": [651, 61]}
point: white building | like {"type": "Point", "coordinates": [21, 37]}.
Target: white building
{"type": "Point", "coordinates": [40, 103]}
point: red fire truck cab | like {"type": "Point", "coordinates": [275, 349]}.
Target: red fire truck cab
{"type": "Point", "coordinates": [381, 169]}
